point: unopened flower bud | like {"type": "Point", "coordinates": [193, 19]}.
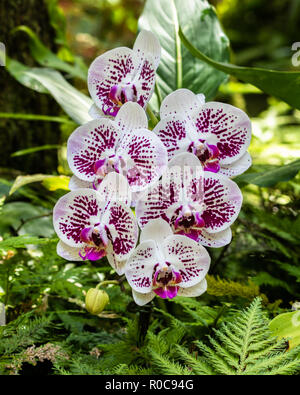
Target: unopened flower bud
{"type": "Point", "coordinates": [96, 300]}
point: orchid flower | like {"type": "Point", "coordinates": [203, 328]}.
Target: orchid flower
{"type": "Point", "coordinates": [124, 145]}
{"type": "Point", "coordinates": [93, 224]}
{"type": "Point", "coordinates": [122, 75]}
{"type": "Point", "coordinates": [201, 207]}
{"type": "Point", "coordinates": [218, 133]}
{"type": "Point", "coordinates": [166, 265]}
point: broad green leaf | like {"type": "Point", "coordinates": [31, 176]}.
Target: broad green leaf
{"type": "Point", "coordinates": [50, 182]}
{"type": "Point", "coordinates": [46, 58]}
{"type": "Point", "coordinates": [178, 68]}
{"type": "Point", "coordinates": [283, 84]}
{"type": "Point", "coordinates": [287, 325]}
{"type": "Point", "coordinates": [26, 219]}
{"type": "Point", "coordinates": [271, 177]}
{"type": "Point", "coordinates": [44, 80]}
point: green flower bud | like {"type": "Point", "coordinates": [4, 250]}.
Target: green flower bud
{"type": "Point", "coordinates": [96, 300]}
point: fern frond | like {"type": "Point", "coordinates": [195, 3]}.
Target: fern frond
{"type": "Point", "coordinates": [243, 346]}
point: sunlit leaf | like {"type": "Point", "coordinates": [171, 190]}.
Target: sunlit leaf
{"type": "Point", "coordinates": [287, 325]}
{"type": "Point", "coordinates": [53, 183]}
{"type": "Point", "coordinates": [50, 182]}
{"type": "Point", "coordinates": [44, 80]}
{"type": "Point", "coordinates": [283, 84]}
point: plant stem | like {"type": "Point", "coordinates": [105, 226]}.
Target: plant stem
{"type": "Point", "coordinates": [154, 121]}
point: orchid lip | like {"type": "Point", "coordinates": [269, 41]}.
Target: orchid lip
{"type": "Point", "coordinates": [165, 281]}
{"type": "Point", "coordinates": [96, 242]}
{"type": "Point", "coordinates": [208, 155]}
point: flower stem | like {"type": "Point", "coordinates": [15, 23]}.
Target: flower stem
{"type": "Point", "coordinates": [154, 121]}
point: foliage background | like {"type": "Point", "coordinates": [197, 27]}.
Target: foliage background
{"type": "Point", "coordinates": [48, 330]}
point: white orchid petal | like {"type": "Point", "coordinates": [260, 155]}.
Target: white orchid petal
{"type": "Point", "coordinates": [77, 183]}
{"type": "Point", "coordinates": [216, 240]}
{"type": "Point", "coordinates": [225, 126]}
{"type": "Point", "coordinates": [181, 102]}
{"type": "Point", "coordinates": [108, 70]}
{"type": "Point", "coordinates": [95, 112]}
{"type": "Point", "coordinates": [75, 211]}
{"type": "Point", "coordinates": [237, 167]}
{"type": "Point", "coordinates": [189, 258]}
{"type": "Point", "coordinates": [114, 188]}
{"type": "Point", "coordinates": [147, 45]}
{"type": "Point", "coordinates": [142, 299]}
{"type": "Point", "coordinates": [174, 135]}
{"type": "Point", "coordinates": [147, 158]}
{"type": "Point", "coordinates": [195, 290]}
{"type": "Point", "coordinates": [88, 143]}
{"type": "Point", "coordinates": [140, 265]}
{"type": "Point", "coordinates": [222, 202]}
{"type": "Point", "coordinates": [157, 230]}
{"type": "Point", "coordinates": [131, 116]}
{"type": "Point", "coordinates": [122, 229]}
{"type": "Point", "coordinates": [67, 252]}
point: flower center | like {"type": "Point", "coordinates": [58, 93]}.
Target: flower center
{"type": "Point", "coordinates": [96, 241]}
{"type": "Point", "coordinates": [165, 281]}
{"type": "Point", "coordinates": [208, 155]}
{"type": "Point", "coordinates": [104, 166]}
{"type": "Point", "coordinates": [187, 219]}
{"type": "Point", "coordinates": [119, 95]}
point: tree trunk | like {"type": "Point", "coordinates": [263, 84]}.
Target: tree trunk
{"type": "Point", "coordinates": [15, 98]}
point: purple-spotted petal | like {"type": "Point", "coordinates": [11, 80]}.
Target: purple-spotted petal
{"type": "Point", "coordinates": [131, 116]}
{"type": "Point", "coordinates": [118, 264]}
{"type": "Point", "coordinates": [74, 212]}
{"type": "Point", "coordinates": [114, 188]}
{"type": "Point", "coordinates": [222, 202]}
{"type": "Point", "coordinates": [88, 144]}
{"type": "Point", "coordinates": [216, 240]}
{"type": "Point", "coordinates": [225, 126]}
{"type": "Point", "coordinates": [144, 81]}
{"type": "Point", "coordinates": [174, 135]}
{"type": "Point", "coordinates": [181, 102]}
{"type": "Point", "coordinates": [142, 299]}
{"type": "Point", "coordinates": [155, 202]}
{"type": "Point", "coordinates": [67, 252]}
{"type": "Point", "coordinates": [237, 167]}
{"type": "Point", "coordinates": [122, 229]}
{"type": "Point", "coordinates": [140, 266]}
{"type": "Point", "coordinates": [147, 46]}
{"type": "Point", "coordinates": [146, 158]}
{"type": "Point", "coordinates": [106, 71]}
{"type": "Point", "coordinates": [189, 258]}
{"type": "Point", "coordinates": [195, 290]}
{"type": "Point", "coordinates": [77, 183]}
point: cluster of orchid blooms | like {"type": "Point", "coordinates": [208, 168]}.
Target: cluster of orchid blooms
{"type": "Point", "coordinates": [150, 201]}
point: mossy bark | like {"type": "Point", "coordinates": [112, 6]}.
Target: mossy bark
{"type": "Point", "coordinates": [15, 98]}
